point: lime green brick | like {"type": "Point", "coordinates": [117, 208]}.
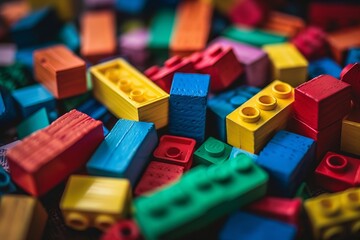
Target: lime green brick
{"type": "Point", "coordinates": [161, 29]}
{"type": "Point", "coordinates": [201, 196]}
{"type": "Point", "coordinates": [212, 151]}
{"type": "Point", "coordinates": [36, 121]}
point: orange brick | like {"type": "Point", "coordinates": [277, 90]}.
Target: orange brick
{"type": "Point", "coordinates": [11, 12]}
{"type": "Point", "coordinates": [284, 24]}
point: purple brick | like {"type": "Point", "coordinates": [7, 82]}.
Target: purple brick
{"type": "Point", "coordinates": [7, 54]}
{"type": "Point", "coordinates": [133, 45]}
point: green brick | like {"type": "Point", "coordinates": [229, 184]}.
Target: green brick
{"type": "Point", "coordinates": [255, 37]}
{"type": "Point", "coordinates": [212, 151]}
{"type": "Point", "coordinates": [201, 196]}
{"type": "Point", "coordinates": [36, 121]}
{"type": "Point", "coordinates": [161, 29]}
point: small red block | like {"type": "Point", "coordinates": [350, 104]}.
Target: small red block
{"type": "Point", "coordinates": [351, 75]}
{"type": "Point", "coordinates": [249, 12]}
{"type": "Point", "coordinates": [123, 230]}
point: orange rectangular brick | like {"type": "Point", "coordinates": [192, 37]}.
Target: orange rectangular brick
{"type": "Point", "coordinates": [284, 24]}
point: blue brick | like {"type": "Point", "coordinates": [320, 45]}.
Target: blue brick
{"type": "Point", "coordinates": [2, 106]}
{"type": "Point", "coordinates": [6, 185]}
{"type": "Point", "coordinates": [286, 158]}
{"type": "Point", "coordinates": [132, 7]}
{"type": "Point", "coordinates": [353, 56]}
{"type": "Point", "coordinates": [93, 108]}
{"type": "Point", "coordinates": [324, 66]}
{"type": "Point", "coordinates": [125, 151]}
{"type": "Point", "coordinates": [237, 151]}
{"type": "Point", "coordinates": [9, 109]}
{"type": "Point", "coordinates": [33, 98]}
{"type": "Point", "coordinates": [242, 225]}
{"type": "Point", "coordinates": [223, 104]}
{"type": "Point", "coordinates": [69, 36]}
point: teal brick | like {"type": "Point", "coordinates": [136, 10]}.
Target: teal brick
{"type": "Point", "coordinates": [36, 121]}
{"type": "Point", "coordinates": [212, 151]}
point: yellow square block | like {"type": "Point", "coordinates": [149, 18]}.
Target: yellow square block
{"type": "Point", "coordinates": [350, 133]}
{"type": "Point", "coordinates": [336, 215]}
{"type": "Point", "coordinates": [252, 125]}
{"type": "Point", "coordinates": [95, 201]}
{"type": "Point", "coordinates": [21, 217]}
{"type": "Point", "coordinates": [288, 64]}
{"type": "Point", "coordinates": [129, 94]}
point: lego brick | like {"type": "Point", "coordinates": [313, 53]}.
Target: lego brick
{"type": "Point", "coordinates": [350, 133]}
{"type": "Point", "coordinates": [47, 157]}
{"type": "Point", "coordinates": [161, 27]}
{"type": "Point", "coordinates": [163, 76]}
{"type": "Point", "coordinates": [250, 126]}
{"type": "Point", "coordinates": [311, 42]}
{"type": "Point", "coordinates": [340, 41]}
{"type": "Point", "coordinates": [188, 99]}
{"type": "Point", "coordinates": [287, 63]}
{"type": "Point", "coordinates": [156, 176]}
{"type": "Point", "coordinates": [243, 225]}
{"type": "Point", "coordinates": [191, 28]}
{"type": "Point", "coordinates": [334, 215]}
{"type": "Point", "coordinates": [69, 36]}
{"type": "Point", "coordinates": [60, 71]}
{"type": "Point", "coordinates": [7, 54]}
{"type": "Point", "coordinates": [98, 35]}
{"type": "Point", "coordinates": [254, 60]}
{"type": "Point", "coordinates": [6, 185]}
{"type": "Point", "coordinates": [117, 83]}
{"type": "Point", "coordinates": [254, 37]}
{"type": "Point", "coordinates": [353, 56]}
{"type": "Point", "coordinates": [324, 66]}
{"type": "Point", "coordinates": [287, 158]}
{"type": "Point", "coordinates": [38, 27]}
{"type": "Point", "coordinates": [212, 151]}
{"type": "Point", "coordinates": [32, 98]}
{"type": "Point", "coordinates": [3, 159]}
{"type": "Point", "coordinates": [175, 150]}
{"type": "Point", "coordinates": [338, 172]}
{"type": "Point", "coordinates": [95, 201]}
{"type": "Point", "coordinates": [93, 108]}
{"type": "Point", "coordinates": [132, 7]}
{"type": "Point", "coordinates": [282, 209]}
{"type": "Point", "coordinates": [322, 101]}
{"type": "Point", "coordinates": [64, 8]}
{"type": "Point", "coordinates": [22, 217]}
{"type": "Point", "coordinates": [134, 44]}
{"type": "Point", "coordinates": [36, 121]}
{"type": "Point", "coordinates": [220, 63]}
{"type": "Point", "coordinates": [12, 12]}
{"type": "Point", "coordinates": [248, 13]}
{"type": "Point", "coordinates": [198, 198]}
{"type": "Point", "coordinates": [351, 75]}
{"type": "Point", "coordinates": [224, 103]}
{"type": "Point", "coordinates": [283, 24]}
{"type": "Point", "coordinates": [125, 151]}
{"type": "Point", "coordinates": [237, 151]}
{"type": "Point", "coordinates": [123, 230]}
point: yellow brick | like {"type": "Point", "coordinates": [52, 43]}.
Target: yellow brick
{"type": "Point", "coordinates": [288, 64]}
{"type": "Point", "coordinates": [251, 125]}
{"type": "Point", "coordinates": [129, 94]}
{"type": "Point", "coordinates": [350, 133]}
{"type": "Point", "coordinates": [336, 214]}
{"type": "Point", "coordinates": [21, 217]}
{"type": "Point", "coordinates": [95, 201]}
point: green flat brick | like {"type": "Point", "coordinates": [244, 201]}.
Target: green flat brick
{"type": "Point", "coordinates": [255, 37]}
{"type": "Point", "coordinates": [212, 151]}
{"type": "Point", "coordinates": [201, 196]}
{"type": "Point", "coordinates": [161, 29]}
{"type": "Point", "coordinates": [36, 121]}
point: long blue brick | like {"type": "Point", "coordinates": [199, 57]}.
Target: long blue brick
{"type": "Point", "coordinates": [324, 66]}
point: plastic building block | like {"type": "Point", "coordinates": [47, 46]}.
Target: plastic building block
{"type": "Point", "coordinates": [198, 198]}
{"type": "Point", "coordinates": [326, 139]}
{"type": "Point", "coordinates": [134, 44]}
{"type": "Point", "coordinates": [64, 8]}
{"type": "Point", "coordinates": [3, 159]}
{"type": "Point", "coordinates": [95, 201]}
{"type": "Point", "coordinates": [288, 64]}
{"type": "Point", "coordinates": [7, 54]}
{"type": "Point", "coordinates": [22, 217]}
{"type": "Point", "coordinates": [248, 12]}
{"type": "Point", "coordinates": [125, 151]}
{"type": "Point", "coordinates": [36, 121]}
{"type": "Point", "coordinates": [341, 40]}
{"type": "Point", "coordinates": [351, 75]}
{"type": "Point", "coordinates": [287, 158]}
{"type": "Point", "coordinates": [32, 98]}
{"type": "Point", "coordinates": [254, 60]}
{"type": "Point", "coordinates": [12, 12]}
{"type": "Point", "coordinates": [337, 172]}
{"type": "Point", "coordinates": [220, 63]}
{"type": "Point", "coordinates": [161, 28]}
{"type": "Point", "coordinates": [60, 71]}
{"type": "Point", "coordinates": [282, 209]}
{"type": "Point", "coordinates": [6, 185]}
{"type": "Point", "coordinates": [224, 103]}
{"type": "Point", "coordinates": [93, 108]}
{"type": "Point", "coordinates": [212, 151]}
{"type": "Point", "coordinates": [38, 27]}
{"type": "Point", "coordinates": [47, 157]}
{"type": "Point", "coordinates": [353, 56]}
{"type": "Point", "coordinates": [334, 215]}
{"type": "Point", "coordinates": [311, 42]}
{"type": "Point", "coordinates": [191, 28]}
{"type": "Point", "coordinates": [117, 83]}
{"type": "Point", "coordinates": [69, 36]}
{"type": "Point", "coordinates": [350, 133]}
{"type": "Point", "coordinates": [254, 37]}
{"type": "Point", "coordinates": [250, 126]}
{"type": "Point", "coordinates": [237, 151]}
{"type": "Point", "coordinates": [283, 24]}
{"type": "Point", "coordinates": [175, 150]}
{"type": "Point", "coordinates": [163, 76]}
{"type": "Point", "coordinates": [98, 39]}
{"type": "Point", "coordinates": [322, 101]}
{"type": "Point", "coordinates": [123, 230]}
{"type": "Point", "coordinates": [133, 7]}
{"type": "Point", "coordinates": [243, 225]}
{"type": "Point", "coordinates": [324, 66]}
{"type": "Point", "coordinates": [188, 99]}
{"type": "Point", "coordinates": [157, 175]}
